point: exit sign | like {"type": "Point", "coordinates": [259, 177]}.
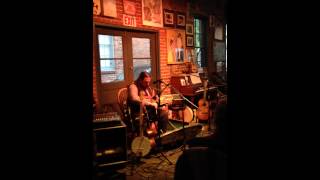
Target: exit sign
{"type": "Point", "coordinates": [129, 20]}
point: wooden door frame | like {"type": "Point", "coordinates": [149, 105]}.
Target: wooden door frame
{"type": "Point", "coordinates": [101, 87]}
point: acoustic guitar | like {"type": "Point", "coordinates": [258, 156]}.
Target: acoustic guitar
{"type": "Point", "coordinates": [141, 145]}
{"type": "Point", "coordinates": [203, 105]}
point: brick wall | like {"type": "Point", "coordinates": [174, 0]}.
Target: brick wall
{"type": "Point", "coordinates": [176, 5]}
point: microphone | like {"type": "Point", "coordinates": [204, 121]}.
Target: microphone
{"type": "Point", "coordinates": [158, 80]}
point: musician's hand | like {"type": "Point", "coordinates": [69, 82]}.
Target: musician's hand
{"type": "Point", "coordinates": [155, 105]}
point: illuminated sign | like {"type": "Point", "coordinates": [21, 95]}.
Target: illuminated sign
{"type": "Point", "coordinates": [129, 20]}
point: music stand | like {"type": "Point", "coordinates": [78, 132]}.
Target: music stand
{"type": "Point", "coordinates": [184, 106]}
{"type": "Point", "coordinates": [157, 141]}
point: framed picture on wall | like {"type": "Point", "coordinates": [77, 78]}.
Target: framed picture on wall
{"type": "Point", "coordinates": [218, 31]}
{"type": "Point", "coordinates": [152, 13]}
{"type": "Point", "coordinates": [129, 7]}
{"type": "Point", "coordinates": [168, 18]}
{"type": "Point", "coordinates": [189, 41]}
{"type": "Point", "coordinates": [189, 29]}
{"type": "Point", "coordinates": [181, 20]}
{"type": "Point", "coordinates": [96, 7]}
{"type": "Point", "coordinates": [109, 8]}
{"type": "Point", "coordinates": [176, 46]}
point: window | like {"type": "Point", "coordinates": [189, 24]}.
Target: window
{"type": "Point", "coordinates": [106, 53]}
{"type": "Point", "coordinates": [141, 55]}
{"type": "Point", "coordinates": [111, 59]}
{"type": "Point", "coordinates": [121, 55]}
{"type": "Point", "coordinates": [200, 45]}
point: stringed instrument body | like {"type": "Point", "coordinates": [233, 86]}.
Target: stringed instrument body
{"type": "Point", "coordinates": [152, 132]}
{"type": "Point", "coordinates": [203, 105]}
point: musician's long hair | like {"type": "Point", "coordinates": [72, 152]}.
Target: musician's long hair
{"type": "Point", "coordinates": [139, 80]}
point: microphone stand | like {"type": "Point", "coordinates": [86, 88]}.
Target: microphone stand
{"type": "Point", "coordinates": [158, 128]}
{"type": "Point", "coordinates": [183, 97]}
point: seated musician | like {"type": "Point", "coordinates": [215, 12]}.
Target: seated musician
{"type": "Point", "coordinates": [142, 85]}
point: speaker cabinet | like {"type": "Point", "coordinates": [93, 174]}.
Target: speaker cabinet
{"type": "Point", "coordinates": [110, 144]}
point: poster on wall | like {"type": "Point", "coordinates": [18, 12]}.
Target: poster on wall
{"type": "Point", "coordinates": [109, 8]}
{"type": "Point", "coordinates": [96, 7]}
{"type": "Point", "coordinates": [190, 55]}
{"type": "Point", "coordinates": [129, 7]}
{"type": "Point", "coordinates": [218, 33]}
{"type": "Point", "coordinates": [152, 13]}
{"type": "Point", "coordinates": [176, 46]}
{"type": "Point", "coordinates": [219, 51]}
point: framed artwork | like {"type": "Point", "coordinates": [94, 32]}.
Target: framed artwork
{"type": "Point", "coordinates": [219, 51]}
{"type": "Point", "coordinates": [189, 29]}
{"type": "Point", "coordinates": [191, 55]}
{"type": "Point", "coordinates": [218, 31]}
{"type": "Point", "coordinates": [189, 41]}
{"type": "Point", "coordinates": [152, 13]}
{"type": "Point", "coordinates": [176, 46]}
{"type": "Point", "coordinates": [109, 8]}
{"type": "Point", "coordinates": [96, 7]}
{"type": "Point", "coordinates": [168, 18]}
{"type": "Point", "coordinates": [181, 20]}
{"type": "Point", "coordinates": [129, 7]}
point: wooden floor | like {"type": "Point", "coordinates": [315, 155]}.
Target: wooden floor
{"type": "Point", "coordinates": [154, 166]}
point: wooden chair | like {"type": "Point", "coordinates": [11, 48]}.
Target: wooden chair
{"type": "Point", "coordinates": [126, 112]}
{"type": "Point", "coordinates": [123, 105]}
{"type": "Point", "coordinates": [122, 99]}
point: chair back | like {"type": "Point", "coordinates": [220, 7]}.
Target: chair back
{"type": "Point", "coordinates": [122, 99]}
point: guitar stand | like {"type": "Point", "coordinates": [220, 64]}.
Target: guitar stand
{"type": "Point", "coordinates": [210, 130]}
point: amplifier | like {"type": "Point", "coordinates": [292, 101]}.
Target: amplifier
{"type": "Point", "coordinates": [109, 119]}
{"type": "Point", "coordinates": [110, 143]}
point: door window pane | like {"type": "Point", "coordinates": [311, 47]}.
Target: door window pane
{"type": "Point", "coordinates": [111, 58]}
{"type": "Point", "coordinates": [141, 56]}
